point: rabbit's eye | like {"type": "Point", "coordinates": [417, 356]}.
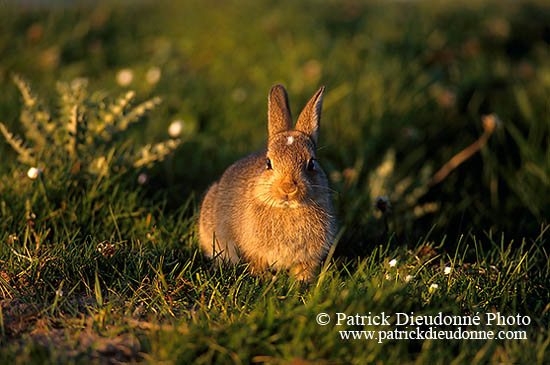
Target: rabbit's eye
{"type": "Point", "coordinates": [268, 164]}
{"type": "Point", "coordinates": [311, 165]}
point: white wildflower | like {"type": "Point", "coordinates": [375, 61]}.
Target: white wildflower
{"type": "Point", "coordinates": [125, 77]}
{"type": "Point", "coordinates": [433, 287]}
{"type": "Point", "coordinates": [408, 278]}
{"type": "Point", "coordinates": [175, 128]}
{"type": "Point", "coordinates": [142, 178]}
{"type": "Point", "coordinates": [393, 262]}
{"type": "Point", "coordinates": [153, 75]}
{"type": "Point", "coordinates": [34, 172]}
{"type": "Point", "coordinates": [239, 95]}
{"type": "Point", "coordinates": [447, 270]}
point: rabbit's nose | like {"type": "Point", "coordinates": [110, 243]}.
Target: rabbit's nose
{"type": "Point", "coordinates": [288, 188]}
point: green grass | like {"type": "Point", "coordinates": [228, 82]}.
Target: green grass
{"type": "Point", "coordinates": [95, 266]}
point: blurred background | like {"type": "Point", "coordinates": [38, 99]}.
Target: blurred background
{"type": "Point", "coordinates": [409, 84]}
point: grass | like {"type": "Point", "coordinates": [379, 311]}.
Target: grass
{"type": "Point", "coordinates": [99, 258]}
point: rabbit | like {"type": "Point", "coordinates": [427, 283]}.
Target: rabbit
{"type": "Point", "coordinates": [273, 208]}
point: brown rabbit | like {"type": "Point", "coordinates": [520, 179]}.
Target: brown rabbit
{"type": "Point", "coordinates": [273, 208]}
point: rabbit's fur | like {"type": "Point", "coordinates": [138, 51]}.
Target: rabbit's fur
{"type": "Point", "coordinates": [273, 208]}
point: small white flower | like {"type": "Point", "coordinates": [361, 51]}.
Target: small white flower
{"type": "Point", "coordinates": [393, 262]}
{"type": "Point", "coordinates": [239, 95]}
{"type": "Point", "coordinates": [153, 75]}
{"type": "Point", "coordinates": [433, 287]}
{"type": "Point", "coordinates": [125, 77]}
{"type": "Point", "coordinates": [447, 270]}
{"type": "Point", "coordinates": [175, 128]}
{"type": "Point", "coordinates": [142, 178]}
{"type": "Point", "coordinates": [34, 172]}
{"type": "Point", "coordinates": [408, 278]}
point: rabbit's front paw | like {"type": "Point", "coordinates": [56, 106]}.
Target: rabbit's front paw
{"type": "Point", "coordinates": [303, 272]}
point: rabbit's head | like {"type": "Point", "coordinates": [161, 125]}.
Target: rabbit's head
{"type": "Point", "coordinates": [291, 176]}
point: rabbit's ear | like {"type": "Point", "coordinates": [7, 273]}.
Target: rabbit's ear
{"type": "Point", "coordinates": [278, 115]}
{"type": "Point", "coordinates": [310, 118]}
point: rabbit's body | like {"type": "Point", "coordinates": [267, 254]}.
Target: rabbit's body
{"type": "Point", "coordinates": [273, 208]}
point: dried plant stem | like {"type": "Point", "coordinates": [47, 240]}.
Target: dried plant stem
{"type": "Point", "coordinates": [460, 157]}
